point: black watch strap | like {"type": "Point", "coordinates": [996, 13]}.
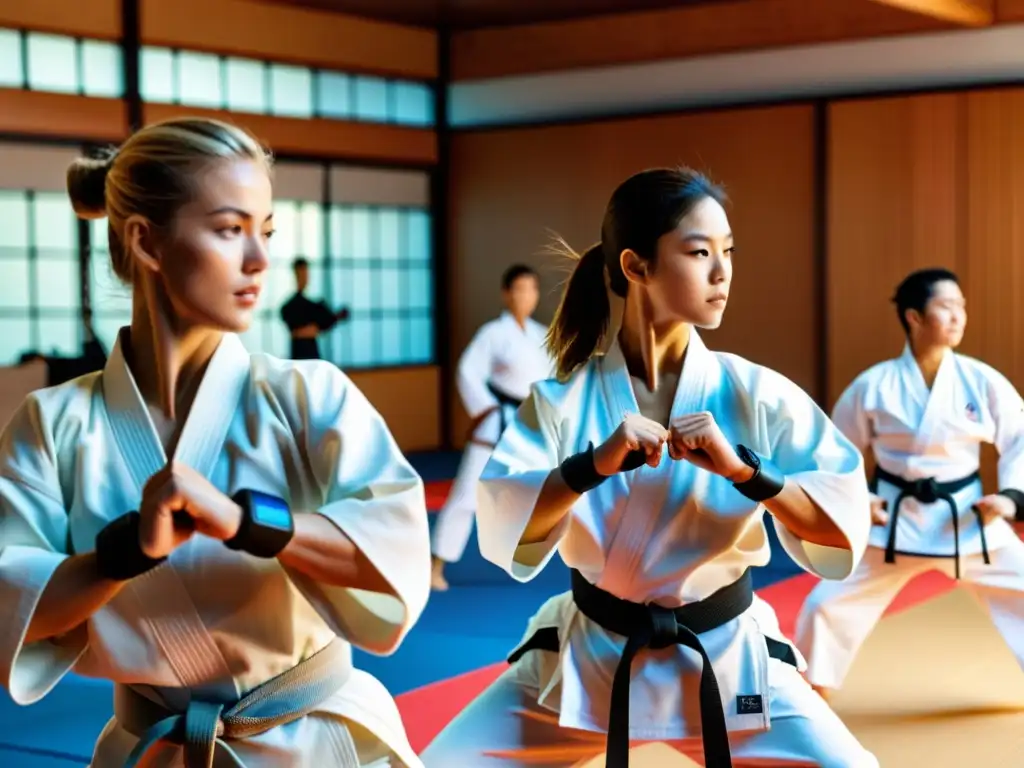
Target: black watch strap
{"type": "Point", "coordinates": [119, 554]}
{"type": "Point", "coordinates": [267, 525]}
{"type": "Point", "coordinates": [767, 481]}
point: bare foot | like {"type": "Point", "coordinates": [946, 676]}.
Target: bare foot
{"type": "Point", "coordinates": [438, 583]}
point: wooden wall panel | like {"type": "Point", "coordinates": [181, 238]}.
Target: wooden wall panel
{"type": "Point", "coordinates": [96, 18]}
{"type": "Point", "coordinates": [414, 421]}
{"type": "Point", "coordinates": [691, 30]}
{"type": "Point", "coordinates": [335, 139]}
{"type": "Point", "coordinates": [510, 189]}
{"type": "Point", "coordinates": [895, 204]}
{"type": "Point", "coordinates": [35, 113]}
{"type": "Point", "coordinates": [287, 33]}
{"type": "Point", "coordinates": [993, 269]}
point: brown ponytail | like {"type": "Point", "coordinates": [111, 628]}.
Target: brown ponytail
{"type": "Point", "coordinates": [581, 320]}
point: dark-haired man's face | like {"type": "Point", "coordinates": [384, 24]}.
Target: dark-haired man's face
{"type": "Point", "coordinates": [522, 296]}
{"type": "Point", "coordinates": [944, 318]}
{"type": "Point", "coordinates": [301, 278]}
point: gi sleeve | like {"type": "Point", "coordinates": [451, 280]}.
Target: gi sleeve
{"type": "Point", "coordinates": [816, 455]}
{"type": "Point", "coordinates": [851, 419]}
{"type": "Point", "coordinates": [375, 497]}
{"type": "Point", "coordinates": [510, 486]}
{"type": "Point", "coordinates": [1007, 409]}
{"type": "Point", "coordinates": [33, 543]}
{"type": "Point", "coordinates": [473, 374]}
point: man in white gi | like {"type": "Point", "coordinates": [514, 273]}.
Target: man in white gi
{"type": "Point", "coordinates": [924, 416]}
{"type": "Point", "coordinates": [504, 358]}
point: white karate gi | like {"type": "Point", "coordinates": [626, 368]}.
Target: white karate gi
{"type": "Point", "coordinates": [916, 433]}
{"type": "Point", "coordinates": [509, 358]}
{"type": "Point", "coordinates": [211, 622]}
{"type": "Point", "coordinates": [669, 535]}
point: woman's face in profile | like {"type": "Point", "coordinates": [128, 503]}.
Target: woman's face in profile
{"type": "Point", "coordinates": [693, 271]}
{"type": "Point", "coordinates": [213, 264]}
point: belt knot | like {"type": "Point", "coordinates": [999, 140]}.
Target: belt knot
{"type": "Point", "coordinates": [925, 489]}
{"type": "Point", "coordinates": [664, 627]}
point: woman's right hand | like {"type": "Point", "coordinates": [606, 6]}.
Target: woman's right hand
{"type": "Point", "coordinates": [635, 433]}
{"type": "Point", "coordinates": [878, 514]}
{"type": "Point", "coordinates": [177, 502]}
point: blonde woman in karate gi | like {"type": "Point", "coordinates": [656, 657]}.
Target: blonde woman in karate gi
{"type": "Point", "coordinates": [922, 418]}
{"type": "Point", "coordinates": [495, 372]}
{"type": "Point", "coordinates": [208, 529]}
{"type": "Point", "coordinates": [650, 467]}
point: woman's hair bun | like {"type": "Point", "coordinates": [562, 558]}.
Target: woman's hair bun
{"type": "Point", "coordinates": [87, 184]}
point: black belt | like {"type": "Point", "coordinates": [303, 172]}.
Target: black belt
{"type": "Point", "coordinates": [504, 399]}
{"type": "Point", "coordinates": [655, 627]}
{"type": "Point", "coordinates": [927, 490]}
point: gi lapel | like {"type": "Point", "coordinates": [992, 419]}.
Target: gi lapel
{"type": "Point", "coordinates": [136, 437]}
{"type": "Point", "coordinates": [162, 596]}
{"type": "Point", "coordinates": [215, 406]}
{"type": "Point", "coordinates": [648, 487]}
{"type": "Point", "coordinates": [692, 390]}
{"type": "Point", "coordinates": [619, 397]}
{"type": "Point", "coordinates": [938, 399]}
{"type": "Point", "coordinates": [202, 435]}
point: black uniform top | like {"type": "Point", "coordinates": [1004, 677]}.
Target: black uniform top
{"type": "Point", "coordinates": [298, 312]}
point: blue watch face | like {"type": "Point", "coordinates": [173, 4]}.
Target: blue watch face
{"type": "Point", "coordinates": [270, 511]}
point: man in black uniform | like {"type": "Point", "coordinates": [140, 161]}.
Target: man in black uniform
{"type": "Point", "coordinates": [307, 319]}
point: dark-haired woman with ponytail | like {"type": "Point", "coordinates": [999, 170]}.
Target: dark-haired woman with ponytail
{"type": "Point", "coordinates": [649, 463]}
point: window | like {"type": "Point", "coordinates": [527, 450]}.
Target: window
{"type": "Point", "coordinates": [60, 64]}
{"type": "Point", "coordinates": [156, 75]}
{"type": "Point", "coordinates": [102, 69]}
{"type": "Point", "coordinates": [247, 85]}
{"type": "Point", "coordinates": [298, 232]}
{"type": "Point", "coordinates": [380, 268]}
{"type": "Point", "coordinates": [39, 275]}
{"type": "Point", "coordinates": [52, 63]}
{"type": "Point", "coordinates": [334, 95]}
{"type": "Point", "coordinates": [12, 74]}
{"type": "Point", "coordinates": [291, 91]}
{"type": "Point", "coordinates": [199, 80]}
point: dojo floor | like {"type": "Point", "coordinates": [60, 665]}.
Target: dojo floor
{"type": "Point", "coordinates": [935, 687]}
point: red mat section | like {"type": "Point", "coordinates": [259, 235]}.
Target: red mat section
{"type": "Point", "coordinates": [786, 597]}
{"type": "Point", "coordinates": [437, 492]}
{"type": "Point", "coordinates": [428, 709]}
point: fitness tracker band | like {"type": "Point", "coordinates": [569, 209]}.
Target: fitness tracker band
{"type": "Point", "coordinates": [267, 524]}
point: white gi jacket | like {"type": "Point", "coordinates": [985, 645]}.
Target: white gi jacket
{"type": "Point", "coordinates": [213, 622]}
{"type": "Point", "coordinates": [916, 433]}
{"type": "Point", "coordinates": [668, 535]}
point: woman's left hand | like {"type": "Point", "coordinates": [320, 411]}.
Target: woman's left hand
{"type": "Point", "coordinates": [697, 439]}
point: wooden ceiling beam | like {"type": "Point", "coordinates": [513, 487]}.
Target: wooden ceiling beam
{"type": "Point", "coordinates": [969, 13]}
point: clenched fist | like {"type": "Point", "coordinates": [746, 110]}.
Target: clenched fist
{"type": "Point", "coordinates": [635, 433]}
{"type": "Point", "coordinates": [177, 502]}
{"type": "Point", "coordinates": [697, 438]}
